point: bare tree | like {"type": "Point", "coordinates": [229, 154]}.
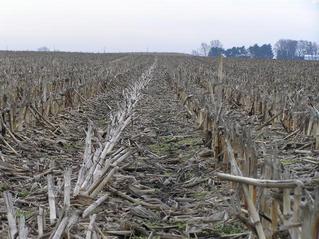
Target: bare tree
{"type": "Point", "coordinates": [195, 53]}
{"type": "Point", "coordinates": [305, 48]}
{"type": "Point", "coordinates": [313, 48]}
{"type": "Point", "coordinates": [286, 49]}
{"type": "Point", "coordinates": [204, 48]}
{"type": "Point", "coordinates": [216, 44]}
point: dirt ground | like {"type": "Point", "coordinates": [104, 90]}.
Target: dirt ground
{"type": "Point", "coordinates": [167, 186]}
{"type": "Point", "coordinates": [165, 190]}
{"type": "Point", "coordinates": [173, 172]}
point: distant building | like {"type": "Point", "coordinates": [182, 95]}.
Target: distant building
{"type": "Point", "coordinates": [311, 57]}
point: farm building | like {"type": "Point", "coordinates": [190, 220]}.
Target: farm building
{"type": "Point", "coordinates": [311, 57]}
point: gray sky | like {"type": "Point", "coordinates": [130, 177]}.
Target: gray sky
{"type": "Point", "coordinates": [157, 25]}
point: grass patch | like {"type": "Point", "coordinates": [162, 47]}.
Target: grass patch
{"type": "Point", "coordinates": [181, 226]}
{"type": "Point", "coordinates": [3, 187]}
{"type": "Point", "coordinates": [227, 229]}
{"type": "Point", "coordinates": [288, 161]}
{"type": "Point", "coordinates": [168, 174]}
{"type": "Point", "coordinates": [23, 194]}
{"type": "Point", "coordinates": [68, 146]}
{"type": "Point", "coordinates": [190, 141]}
{"type": "Point", "coordinates": [24, 213]}
{"type": "Point", "coordinates": [162, 149]}
{"type": "Point", "coordinates": [200, 195]}
{"type": "Point", "coordinates": [102, 122]}
{"type": "Point", "coordinates": [168, 145]}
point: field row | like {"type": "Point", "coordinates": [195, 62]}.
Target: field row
{"type": "Point", "coordinates": [248, 132]}
{"type": "Point", "coordinates": [82, 136]}
{"type": "Point", "coordinates": [50, 197]}
{"type": "Point", "coordinates": [42, 85]}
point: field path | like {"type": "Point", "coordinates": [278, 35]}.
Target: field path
{"type": "Point", "coordinates": [171, 172]}
{"type": "Point", "coordinates": [165, 189]}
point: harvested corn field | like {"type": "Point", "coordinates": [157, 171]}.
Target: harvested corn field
{"type": "Point", "coordinates": [157, 146]}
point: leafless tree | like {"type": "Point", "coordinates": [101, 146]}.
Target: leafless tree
{"type": "Point", "coordinates": [216, 43]}
{"type": "Point", "coordinates": [286, 49]}
{"type": "Point", "coordinates": [204, 47]}
{"type": "Point", "coordinates": [306, 48]}
{"type": "Point", "coordinates": [195, 53]}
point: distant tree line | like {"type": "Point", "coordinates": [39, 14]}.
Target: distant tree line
{"type": "Point", "coordinates": [292, 49]}
{"type": "Point", "coordinates": [283, 49]}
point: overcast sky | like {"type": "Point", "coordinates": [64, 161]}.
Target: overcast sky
{"type": "Point", "coordinates": [156, 25]}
